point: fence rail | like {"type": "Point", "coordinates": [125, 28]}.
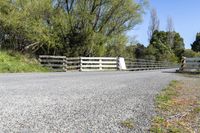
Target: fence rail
{"type": "Point", "coordinates": [62, 63]}
{"type": "Point", "coordinates": [142, 64]}
{"type": "Point", "coordinates": [190, 65]}
{"type": "Point", "coordinates": [73, 63]}
{"type": "Point", "coordinates": [98, 63]}
{"type": "Point", "coordinates": [58, 63]}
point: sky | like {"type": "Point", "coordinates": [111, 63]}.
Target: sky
{"type": "Point", "coordinates": [185, 15]}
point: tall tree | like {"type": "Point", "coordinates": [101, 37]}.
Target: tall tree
{"type": "Point", "coordinates": [196, 44]}
{"type": "Point", "coordinates": [170, 30]}
{"type": "Point", "coordinates": [100, 20]}
{"type": "Point", "coordinates": [178, 45]}
{"type": "Point", "coordinates": [154, 23]}
{"type": "Point", "coordinates": [160, 49]}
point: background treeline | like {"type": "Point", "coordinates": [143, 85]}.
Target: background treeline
{"type": "Point", "coordinates": [85, 28]}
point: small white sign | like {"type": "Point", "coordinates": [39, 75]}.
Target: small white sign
{"type": "Point", "coordinates": [122, 64]}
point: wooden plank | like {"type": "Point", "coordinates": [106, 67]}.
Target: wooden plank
{"type": "Point", "coordinates": [54, 65]}
{"type": "Point", "coordinates": [191, 67]}
{"type": "Point", "coordinates": [73, 62]}
{"type": "Point", "coordinates": [98, 58]}
{"type": "Point", "coordinates": [193, 63]}
{"type": "Point", "coordinates": [96, 66]}
{"type": "Point", "coordinates": [50, 56]}
{"type": "Point", "coordinates": [107, 66]}
{"type": "Point", "coordinates": [109, 62]}
{"type": "Point", "coordinates": [141, 60]}
{"type": "Point", "coordinates": [150, 68]}
{"type": "Point", "coordinates": [90, 62]}
{"type": "Point", "coordinates": [98, 62]}
{"type": "Point", "coordinates": [71, 67]}
{"type": "Point", "coordinates": [192, 59]}
{"type": "Point", "coordinates": [90, 66]}
{"type": "Point", "coordinates": [143, 63]}
{"type": "Point", "coordinates": [91, 70]}
{"type": "Point", "coordinates": [52, 61]}
{"type": "Point", "coordinates": [73, 58]}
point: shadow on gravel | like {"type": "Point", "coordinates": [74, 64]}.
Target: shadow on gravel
{"type": "Point", "coordinates": [185, 74]}
{"type": "Point", "coordinates": [169, 71]}
{"type": "Point", "coordinates": [191, 75]}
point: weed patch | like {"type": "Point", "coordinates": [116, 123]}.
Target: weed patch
{"type": "Point", "coordinates": [129, 123]}
{"type": "Point", "coordinates": [178, 108]}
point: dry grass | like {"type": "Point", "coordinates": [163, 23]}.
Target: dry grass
{"type": "Point", "coordinates": [178, 107]}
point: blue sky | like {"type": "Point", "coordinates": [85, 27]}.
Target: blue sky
{"type": "Point", "coordinates": [185, 14]}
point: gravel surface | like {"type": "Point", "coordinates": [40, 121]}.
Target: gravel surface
{"type": "Point", "coordinates": [79, 102]}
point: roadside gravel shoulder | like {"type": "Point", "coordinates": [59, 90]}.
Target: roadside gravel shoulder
{"type": "Point", "coordinates": [79, 102]}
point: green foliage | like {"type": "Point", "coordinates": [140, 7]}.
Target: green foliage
{"type": "Point", "coordinates": [130, 51]}
{"type": "Point", "coordinates": [178, 46]}
{"type": "Point", "coordinates": [71, 28]}
{"type": "Point", "coordinates": [140, 51]}
{"type": "Point", "coordinates": [196, 44]}
{"type": "Point", "coordinates": [190, 53]}
{"type": "Point", "coordinates": [163, 100]}
{"type": "Point", "coordinates": [159, 48]}
{"type": "Point", "coordinates": [129, 123]}
{"type": "Point", "coordinates": [116, 46]}
{"type": "Point", "coordinates": [15, 62]}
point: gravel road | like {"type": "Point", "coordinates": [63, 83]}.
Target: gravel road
{"type": "Point", "coordinates": [77, 102]}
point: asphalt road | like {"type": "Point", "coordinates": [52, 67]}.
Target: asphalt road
{"type": "Point", "coordinates": [77, 102]}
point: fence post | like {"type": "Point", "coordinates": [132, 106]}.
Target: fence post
{"type": "Point", "coordinates": [81, 64]}
{"type": "Point", "coordinates": [65, 64]}
{"type": "Point", "coordinates": [100, 64]}
{"type": "Point", "coordinates": [183, 63]}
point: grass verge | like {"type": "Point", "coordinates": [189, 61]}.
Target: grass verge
{"type": "Point", "coordinates": [129, 123]}
{"type": "Point", "coordinates": [11, 62]}
{"type": "Point", "coordinates": [178, 108]}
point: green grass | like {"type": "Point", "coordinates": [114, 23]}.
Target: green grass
{"type": "Point", "coordinates": [129, 123]}
{"type": "Point", "coordinates": [160, 126]}
{"type": "Point", "coordinates": [163, 100]}
{"type": "Point", "coordinates": [177, 109]}
{"type": "Point", "coordinates": [197, 110]}
{"type": "Point", "coordinates": [11, 62]}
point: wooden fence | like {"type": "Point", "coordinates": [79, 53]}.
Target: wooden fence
{"type": "Point", "coordinates": [142, 64]}
{"type": "Point", "coordinates": [73, 63]}
{"type": "Point", "coordinates": [190, 65]}
{"type": "Point", "coordinates": [58, 63]}
{"type": "Point", "coordinates": [99, 63]}
{"type": "Point", "coordinates": [62, 63]}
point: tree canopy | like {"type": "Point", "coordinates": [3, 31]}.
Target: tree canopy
{"type": "Point", "coordinates": [160, 49]}
{"type": "Point", "coordinates": [196, 44]}
{"type": "Point", "coordinates": [66, 27]}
